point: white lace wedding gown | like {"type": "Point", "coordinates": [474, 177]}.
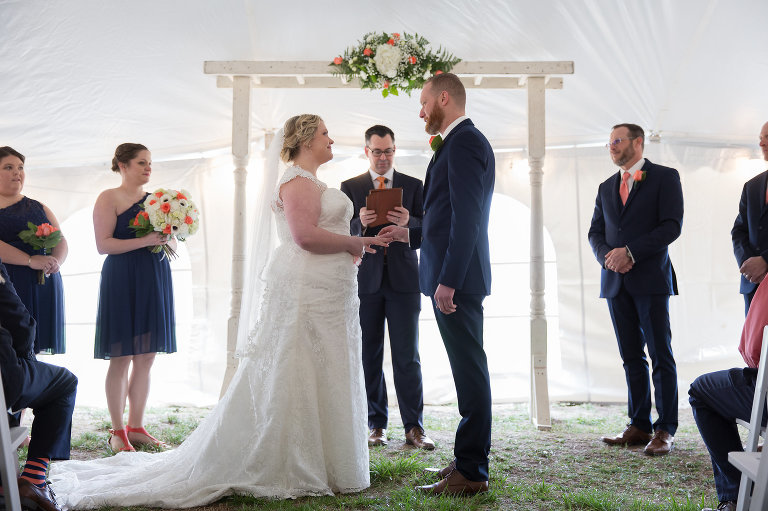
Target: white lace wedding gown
{"type": "Point", "coordinates": [293, 421]}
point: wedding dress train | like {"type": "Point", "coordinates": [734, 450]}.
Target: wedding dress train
{"type": "Point", "coordinates": [293, 421]}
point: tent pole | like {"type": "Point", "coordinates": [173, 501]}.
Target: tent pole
{"type": "Point", "coordinates": [241, 137]}
{"type": "Point", "coordinates": [536, 143]}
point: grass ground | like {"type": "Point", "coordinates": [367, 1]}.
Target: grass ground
{"type": "Point", "coordinates": [567, 468]}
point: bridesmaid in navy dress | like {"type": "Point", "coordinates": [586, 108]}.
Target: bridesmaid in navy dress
{"type": "Point", "coordinates": [136, 317]}
{"type": "Point", "coordinates": [45, 302]}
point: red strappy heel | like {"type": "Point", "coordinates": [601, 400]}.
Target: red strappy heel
{"type": "Point", "coordinates": [121, 435]}
{"type": "Point", "coordinates": [151, 440]}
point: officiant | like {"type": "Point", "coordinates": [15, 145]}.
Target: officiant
{"type": "Point", "coordinates": [388, 286]}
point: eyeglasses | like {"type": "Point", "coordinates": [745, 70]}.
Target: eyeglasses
{"type": "Point", "coordinates": [378, 152]}
{"type": "Point", "coordinates": [614, 143]}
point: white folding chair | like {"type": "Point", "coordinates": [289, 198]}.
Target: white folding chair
{"type": "Point", "coordinates": [754, 467]}
{"type": "Point", "coordinates": [10, 440]}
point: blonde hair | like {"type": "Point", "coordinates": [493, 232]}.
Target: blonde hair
{"type": "Point", "coordinates": [298, 131]}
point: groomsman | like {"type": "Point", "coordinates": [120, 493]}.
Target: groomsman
{"type": "Point", "coordinates": [455, 269]}
{"type": "Point", "coordinates": [750, 230]}
{"type": "Point", "coordinates": [388, 286]}
{"type": "Point", "coordinates": [638, 213]}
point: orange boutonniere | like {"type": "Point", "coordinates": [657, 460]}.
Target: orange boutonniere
{"type": "Point", "coordinates": [638, 176]}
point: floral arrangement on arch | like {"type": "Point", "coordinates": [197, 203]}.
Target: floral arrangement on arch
{"type": "Point", "coordinates": [392, 62]}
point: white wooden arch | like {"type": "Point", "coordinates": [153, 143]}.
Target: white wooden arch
{"type": "Point", "coordinates": [534, 77]}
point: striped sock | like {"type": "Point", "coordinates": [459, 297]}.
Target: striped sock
{"type": "Point", "coordinates": [34, 471]}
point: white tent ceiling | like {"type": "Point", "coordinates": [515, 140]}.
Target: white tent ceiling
{"type": "Point", "coordinates": [84, 75]}
{"type": "Point", "coordinates": [80, 77]}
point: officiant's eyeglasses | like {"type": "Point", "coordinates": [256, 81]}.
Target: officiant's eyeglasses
{"type": "Point", "coordinates": [614, 143]}
{"type": "Point", "coordinates": [378, 152]}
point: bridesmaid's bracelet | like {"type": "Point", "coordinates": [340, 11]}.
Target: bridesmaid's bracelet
{"type": "Point", "coordinates": [29, 263]}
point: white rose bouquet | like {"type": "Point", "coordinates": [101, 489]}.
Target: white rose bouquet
{"type": "Point", "coordinates": [170, 212]}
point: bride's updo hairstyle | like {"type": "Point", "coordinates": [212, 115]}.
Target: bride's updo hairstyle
{"type": "Point", "coordinates": [298, 131]}
{"type": "Point", "coordinates": [125, 153]}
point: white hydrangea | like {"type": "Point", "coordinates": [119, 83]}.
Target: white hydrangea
{"type": "Point", "coordinates": [387, 59]}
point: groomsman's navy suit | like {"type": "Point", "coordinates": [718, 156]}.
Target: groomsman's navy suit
{"type": "Point", "coordinates": [750, 230]}
{"type": "Point", "coordinates": [48, 389]}
{"type": "Point", "coordinates": [455, 253]}
{"type": "Point", "coordinates": [639, 299]}
{"type": "Point", "coordinates": [388, 286]}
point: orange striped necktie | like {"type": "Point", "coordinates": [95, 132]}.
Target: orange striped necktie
{"type": "Point", "coordinates": [382, 182]}
{"type": "Point", "coordinates": [624, 189]}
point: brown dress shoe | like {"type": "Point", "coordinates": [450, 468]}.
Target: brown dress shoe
{"type": "Point", "coordinates": [378, 437]}
{"type": "Point", "coordinates": [33, 497]}
{"type": "Point", "coordinates": [417, 438]}
{"type": "Point", "coordinates": [631, 436]}
{"type": "Point", "coordinates": [661, 443]}
{"type": "Point", "coordinates": [455, 484]}
{"type": "Point", "coordinates": [442, 473]}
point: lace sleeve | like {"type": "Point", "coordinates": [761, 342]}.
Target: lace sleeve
{"type": "Point", "coordinates": [290, 174]}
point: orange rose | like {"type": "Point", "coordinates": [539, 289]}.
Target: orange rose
{"type": "Point", "coordinates": [135, 222]}
{"type": "Point", "coordinates": [386, 85]}
{"type": "Point", "coordinates": [391, 42]}
{"type": "Point", "coordinates": [181, 196]}
{"type": "Point", "coordinates": [438, 72]}
{"type": "Point", "coordinates": [397, 36]}
{"type": "Point", "coordinates": [188, 220]}
{"type": "Point", "coordinates": [338, 60]}
{"type": "Point", "coordinates": [145, 215]}
{"type": "Point", "coordinates": [367, 52]}
{"type": "Point", "coordinates": [167, 229]}
{"type": "Point", "coordinates": [158, 194]}
{"type": "Point", "coordinates": [639, 175]}
{"type": "Point", "coordinates": [152, 202]}
{"type": "Point", "coordinates": [412, 59]}
{"type": "Point", "coordinates": [166, 207]}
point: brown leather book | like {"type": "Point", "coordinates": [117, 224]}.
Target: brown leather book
{"type": "Point", "coordinates": [383, 201]}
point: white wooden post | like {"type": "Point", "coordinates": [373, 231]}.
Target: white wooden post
{"type": "Point", "coordinates": [536, 143]}
{"type": "Point", "coordinates": [241, 144]}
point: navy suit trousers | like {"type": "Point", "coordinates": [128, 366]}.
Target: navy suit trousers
{"type": "Point", "coordinates": [641, 321]}
{"type": "Point", "coordinates": [401, 312]}
{"type": "Point", "coordinates": [462, 334]}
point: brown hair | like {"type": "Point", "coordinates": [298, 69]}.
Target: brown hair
{"type": "Point", "coordinates": [125, 153]}
{"type": "Point", "coordinates": [298, 131]}
{"type": "Point", "coordinates": [451, 84]}
{"type": "Point", "coordinates": [635, 131]}
{"type": "Point", "coordinates": [10, 151]}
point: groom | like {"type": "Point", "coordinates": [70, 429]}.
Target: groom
{"type": "Point", "coordinates": [455, 269]}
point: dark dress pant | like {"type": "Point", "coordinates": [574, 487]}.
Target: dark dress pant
{"type": "Point", "coordinates": [462, 334]}
{"type": "Point", "coordinates": [401, 312]}
{"type": "Point", "coordinates": [717, 400]}
{"type": "Point", "coordinates": [640, 322]}
{"type": "Point", "coordinates": [49, 391]}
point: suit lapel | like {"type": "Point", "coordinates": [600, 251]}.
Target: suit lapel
{"type": "Point", "coordinates": [761, 193]}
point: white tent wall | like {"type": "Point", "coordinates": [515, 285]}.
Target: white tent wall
{"type": "Point", "coordinates": [82, 76]}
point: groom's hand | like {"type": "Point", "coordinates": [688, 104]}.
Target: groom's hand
{"type": "Point", "coordinates": [444, 299]}
{"type": "Point", "coordinates": [395, 233]}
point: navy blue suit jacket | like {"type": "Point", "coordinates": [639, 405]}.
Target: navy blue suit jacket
{"type": "Point", "coordinates": [651, 219]}
{"type": "Point", "coordinates": [750, 230]}
{"type": "Point", "coordinates": [17, 336]}
{"type": "Point", "coordinates": [402, 262]}
{"type": "Point", "coordinates": [457, 204]}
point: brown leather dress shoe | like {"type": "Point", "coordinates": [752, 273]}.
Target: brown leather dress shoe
{"type": "Point", "coordinates": [442, 473]}
{"type": "Point", "coordinates": [378, 437]}
{"type": "Point", "coordinates": [661, 443]}
{"type": "Point", "coordinates": [455, 484]}
{"type": "Point", "coordinates": [417, 438]}
{"type": "Point", "coordinates": [631, 436]}
{"type": "Point", "coordinates": [33, 497]}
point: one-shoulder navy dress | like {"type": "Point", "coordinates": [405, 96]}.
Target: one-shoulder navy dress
{"type": "Point", "coordinates": [44, 302]}
{"type": "Point", "coordinates": [136, 312]}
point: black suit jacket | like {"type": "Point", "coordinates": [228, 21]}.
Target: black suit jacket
{"type": "Point", "coordinates": [651, 219]}
{"type": "Point", "coordinates": [402, 262]}
{"type": "Point", "coordinates": [750, 230]}
{"type": "Point", "coordinates": [17, 336]}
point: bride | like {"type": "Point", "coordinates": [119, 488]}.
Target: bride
{"type": "Point", "coordinates": [293, 420]}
